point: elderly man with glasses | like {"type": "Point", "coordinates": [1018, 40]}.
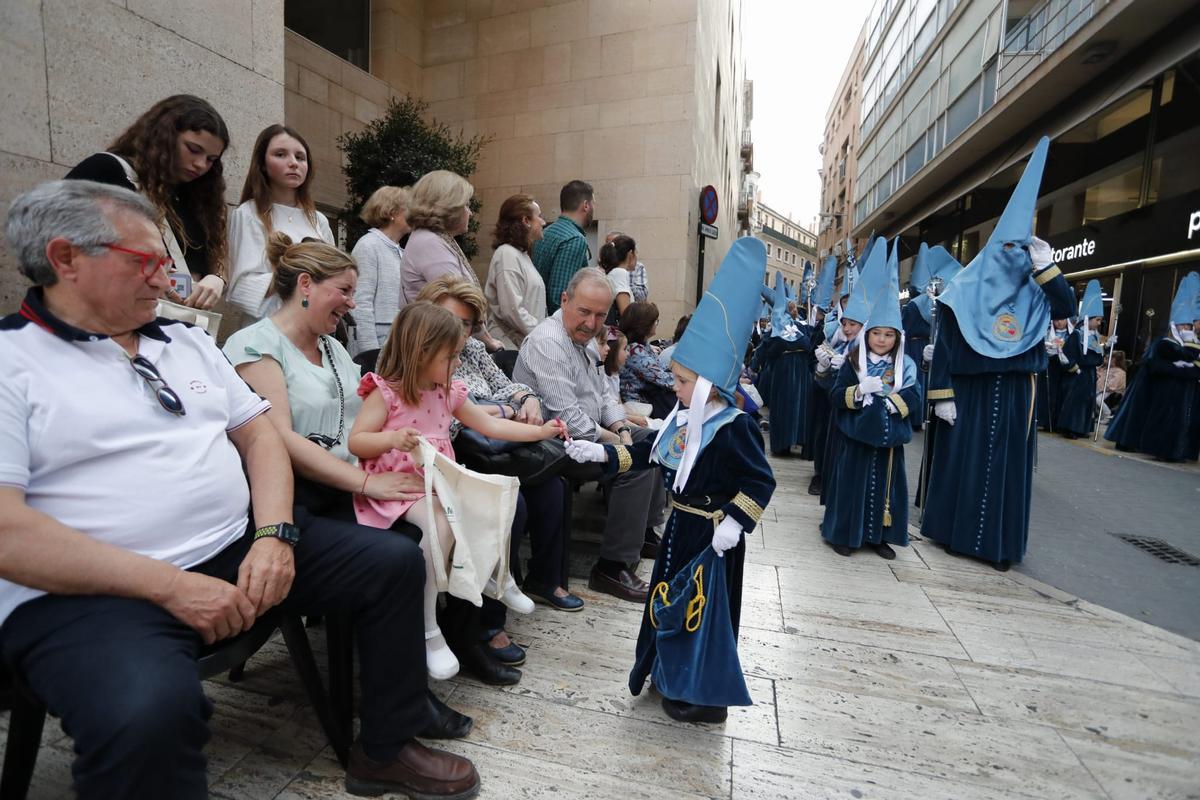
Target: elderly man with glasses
{"type": "Point", "coordinates": [124, 517]}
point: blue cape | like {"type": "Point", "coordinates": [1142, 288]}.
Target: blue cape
{"type": "Point", "coordinates": [1000, 309]}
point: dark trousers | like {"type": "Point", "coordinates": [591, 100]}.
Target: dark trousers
{"type": "Point", "coordinates": [121, 674]}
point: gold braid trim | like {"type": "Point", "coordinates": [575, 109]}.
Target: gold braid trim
{"type": "Point", "coordinates": [1050, 274]}
{"type": "Point", "coordinates": [1074, 369]}
{"type": "Point", "coordinates": [748, 507]}
{"type": "Point", "coordinates": [940, 394]}
{"type": "Point", "coordinates": [850, 396]}
{"type": "Point", "coordinates": [898, 401]}
{"type": "Point", "coordinates": [624, 459]}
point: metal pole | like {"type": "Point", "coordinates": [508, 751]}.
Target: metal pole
{"type": "Point", "coordinates": [933, 290]}
{"type": "Point", "coordinates": [1112, 332]}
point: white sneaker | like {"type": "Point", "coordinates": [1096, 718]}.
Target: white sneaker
{"type": "Point", "coordinates": [439, 659]}
{"type": "Point", "coordinates": [512, 597]}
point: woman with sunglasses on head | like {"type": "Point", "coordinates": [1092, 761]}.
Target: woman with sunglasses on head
{"type": "Point", "coordinates": [292, 360]}
{"type": "Point", "coordinates": [277, 196]}
{"type": "Point", "coordinates": [172, 155]}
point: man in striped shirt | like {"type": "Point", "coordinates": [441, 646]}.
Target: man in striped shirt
{"type": "Point", "coordinates": [555, 362]}
{"type": "Point", "coordinates": [563, 249]}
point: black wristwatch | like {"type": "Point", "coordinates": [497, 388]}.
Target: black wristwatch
{"type": "Point", "coordinates": [281, 530]}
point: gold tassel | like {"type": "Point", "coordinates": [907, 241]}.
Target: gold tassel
{"type": "Point", "coordinates": [887, 500]}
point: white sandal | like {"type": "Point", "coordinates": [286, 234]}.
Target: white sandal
{"type": "Point", "coordinates": [512, 597]}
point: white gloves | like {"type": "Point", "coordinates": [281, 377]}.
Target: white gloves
{"type": "Point", "coordinates": [1040, 253]}
{"type": "Point", "coordinates": [1051, 347]}
{"type": "Point", "coordinates": [1181, 364]}
{"type": "Point", "coordinates": [891, 407]}
{"type": "Point", "coordinates": [927, 353]}
{"type": "Point", "coordinates": [823, 357]}
{"type": "Point", "coordinates": [1062, 359]}
{"type": "Point", "coordinates": [870, 385]}
{"type": "Point", "coordinates": [583, 452]}
{"type": "Point", "coordinates": [1112, 341]}
{"type": "Point", "coordinates": [946, 411]}
{"type": "Point", "coordinates": [727, 535]}
{"type": "Point", "coordinates": [836, 360]}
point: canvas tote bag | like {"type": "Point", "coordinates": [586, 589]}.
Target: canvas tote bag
{"type": "Point", "coordinates": [480, 510]}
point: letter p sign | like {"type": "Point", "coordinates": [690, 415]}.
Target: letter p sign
{"type": "Point", "coordinates": [1194, 224]}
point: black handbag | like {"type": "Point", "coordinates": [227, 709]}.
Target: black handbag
{"type": "Point", "coordinates": [532, 463]}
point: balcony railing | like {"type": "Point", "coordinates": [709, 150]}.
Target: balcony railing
{"type": "Point", "coordinates": [1038, 34]}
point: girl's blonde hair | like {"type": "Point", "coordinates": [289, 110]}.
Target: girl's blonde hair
{"type": "Point", "coordinates": [383, 204]}
{"type": "Point", "coordinates": [459, 288]}
{"type": "Point", "coordinates": [436, 200]}
{"type": "Point", "coordinates": [421, 331]}
{"type": "Point", "coordinates": [317, 260]}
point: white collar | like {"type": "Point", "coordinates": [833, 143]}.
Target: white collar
{"type": "Point", "coordinates": [691, 447]}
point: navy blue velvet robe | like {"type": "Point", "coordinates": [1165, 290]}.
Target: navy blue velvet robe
{"type": "Point", "coordinates": [1157, 415]}
{"type": "Point", "coordinates": [981, 467]}
{"type": "Point", "coordinates": [761, 363]}
{"type": "Point", "coordinates": [868, 470]}
{"type": "Point", "coordinates": [790, 384]}
{"type": "Point", "coordinates": [1050, 391]}
{"type": "Point", "coordinates": [1077, 414]}
{"type": "Point", "coordinates": [732, 464]}
{"type": "Point", "coordinates": [916, 335]}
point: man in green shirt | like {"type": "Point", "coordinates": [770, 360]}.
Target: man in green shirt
{"type": "Point", "coordinates": [563, 250]}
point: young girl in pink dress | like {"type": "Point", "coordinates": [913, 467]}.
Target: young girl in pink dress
{"type": "Point", "coordinates": [412, 395]}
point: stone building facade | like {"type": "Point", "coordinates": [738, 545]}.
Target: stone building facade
{"type": "Point", "coordinates": [839, 158]}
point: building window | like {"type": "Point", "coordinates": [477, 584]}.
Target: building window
{"type": "Point", "coordinates": [343, 29]}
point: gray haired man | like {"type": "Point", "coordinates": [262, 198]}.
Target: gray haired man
{"type": "Point", "coordinates": [555, 362]}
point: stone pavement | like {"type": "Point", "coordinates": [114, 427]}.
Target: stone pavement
{"type": "Point", "coordinates": [926, 677]}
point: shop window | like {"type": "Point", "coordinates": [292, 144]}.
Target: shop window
{"type": "Point", "coordinates": [344, 31]}
{"type": "Point", "coordinates": [1112, 196]}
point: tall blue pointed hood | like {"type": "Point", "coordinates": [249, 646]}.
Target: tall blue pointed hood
{"type": "Point", "coordinates": [823, 291]}
{"type": "Point", "coordinates": [1184, 306]}
{"type": "Point", "coordinates": [1092, 304]}
{"type": "Point", "coordinates": [714, 344]}
{"type": "Point", "coordinates": [935, 262]}
{"type": "Point", "coordinates": [874, 273]}
{"type": "Point", "coordinates": [1196, 299]}
{"type": "Point", "coordinates": [885, 303]}
{"type": "Point", "coordinates": [920, 271]}
{"type": "Point", "coordinates": [1000, 309]}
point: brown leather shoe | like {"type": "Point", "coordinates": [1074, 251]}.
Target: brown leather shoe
{"type": "Point", "coordinates": [419, 771]}
{"type": "Point", "coordinates": [624, 585]}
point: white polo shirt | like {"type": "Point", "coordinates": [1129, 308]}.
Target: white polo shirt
{"type": "Point", "coordinates": [83, 435]}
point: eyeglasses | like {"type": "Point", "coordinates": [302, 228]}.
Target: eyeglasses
{"type": "Point", "coordinates": [165, 395]}
{"type": "Point", "coordinates": [150, 262]}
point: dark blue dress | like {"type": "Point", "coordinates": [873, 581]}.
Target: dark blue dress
{"type": "Point", "coordinates": [867, 491]}
{"type": "Point", "coordinates": [916, 335]}
{"type": "Point", "coordinates": [1157, 415]}
{"type": "Point", "coordinates": [732, 475]}
{"type": "Point", "coordinates": [1050, 392]}
{"type": "Point", "coordinates": [981, 467]}
{"type": "Point", "coordinates": [1077, 414]}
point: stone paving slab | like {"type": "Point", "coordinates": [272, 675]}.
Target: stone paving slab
{"type": "Point", "coordinates": [925, 677]}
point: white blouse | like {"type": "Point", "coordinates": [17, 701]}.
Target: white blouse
{"type": "Point", "coordinates": [250, 273]}
{"type": "Point", "coordinates": [516, 296]}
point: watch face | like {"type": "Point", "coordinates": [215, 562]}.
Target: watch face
{"type": "Point", "coordinates": [289, 533]}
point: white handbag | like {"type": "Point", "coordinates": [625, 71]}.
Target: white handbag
{"type": "Point", "coordinates": [480, 510]}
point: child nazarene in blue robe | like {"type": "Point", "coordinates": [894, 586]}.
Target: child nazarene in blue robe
{"type": "Point", "coordinates": [867, 495]}
{"type": "Point", "coordinates": [1077, 414]}
{"type": "Point", "coordinates": [731, 475]}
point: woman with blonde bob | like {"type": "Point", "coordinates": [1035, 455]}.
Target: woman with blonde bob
{"type": "Point", "coordinates": [379, 256]}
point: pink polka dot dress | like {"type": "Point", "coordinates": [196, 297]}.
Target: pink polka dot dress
{"type": "Point", "coordinates": [432, 418]}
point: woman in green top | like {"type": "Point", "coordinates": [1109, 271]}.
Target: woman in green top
{"type": "Point", "coordinates": [292, 360]}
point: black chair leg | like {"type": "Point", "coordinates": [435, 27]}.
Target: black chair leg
{"type": "Point", "coordinates": [237, 673]}
{"type": "Point", "coordinates": [339, 631]}
{"type": "Point", "coordinates": [24, 739]}
{"type": "Point", "coordinates": [306, 665]}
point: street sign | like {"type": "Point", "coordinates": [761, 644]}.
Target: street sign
{"type": "Point", "coordinates": [708, 231]}
{"type": "Point", "coordinates": [708, 206]}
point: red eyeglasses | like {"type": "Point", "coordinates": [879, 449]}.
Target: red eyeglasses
{"type": "Point", "coordinates": [150, 262]}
